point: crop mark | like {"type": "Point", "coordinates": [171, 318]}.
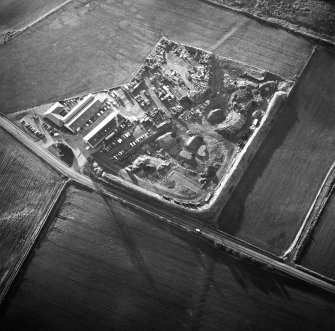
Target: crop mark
{"type": "Point", "coordinates": [131, 246]}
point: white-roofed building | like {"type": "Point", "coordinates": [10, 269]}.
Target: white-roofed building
{"type": "Point", "coordinates": [103, 129]}
{"type": "Point", "coordinates": [60, 115]}
{"type": "Point", "coordinates": [79, 120]}
{"type": "Point", "coordinates": [56, 114]}
{"type": "Point", "coordinates": [77, 108]}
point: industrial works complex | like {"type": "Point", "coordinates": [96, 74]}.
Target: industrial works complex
{"type": "Point", "coordinates": [76, 118]}
{"type": "Point", "coordinates": [176, 129]}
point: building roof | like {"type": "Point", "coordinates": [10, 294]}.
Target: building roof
{"type": "Point", "coordinates": [103, 129]}
{"type": "Point", "coordinates": [54, 114]}
{"type": "Point", "coordinates": [193, 142]}
{"type": "Point", "coordinates": [56, 108]}
{"type": "Point", "coordinates": [166, 141]}
{"type": "Point", "coordinates": [78, 121]}
{"type": "Point", "coordinates": [59, 114]}
{"type": "Point", "coordinates": [77, 108]}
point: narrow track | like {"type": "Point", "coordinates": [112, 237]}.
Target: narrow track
{"type": "Point", "coordinates": [185, 223]}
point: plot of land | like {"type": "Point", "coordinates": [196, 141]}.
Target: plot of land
{"type": "Point", "coordinates": [312, 16]}
{"type": "Point", "coordinates": [270, 203]}
{"type": "Point", "coordinates": [195, 113]}
{"type": "Point", "coordinates": [16, 14]}
{"type": "Point", "coordinates": [27, 186]}
{"type": "Point", "coordinates": [103, 266]}
{"type": "Point", "coordinates": [87, 47]}
{"type": "Point", "coordinates": [319, 253]}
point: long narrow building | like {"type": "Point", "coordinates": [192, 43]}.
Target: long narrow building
{"type": "Point", "coordinates": [79, 120]}
{"type": "Point", "coordinates": [74, 119]}
{"type": "Point", "coordinates": [105, 128]}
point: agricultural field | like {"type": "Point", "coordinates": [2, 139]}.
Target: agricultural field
{"type": "Point", "coordinates": [90, 45]}
{"type": "Point", "coordinates": [16, 14]}
{"type": "Point", "coordinates": [27, 189]}
{"type": "Point", "coordinates": [316, 17]}
{"type": "Point", "coordinates": [268, 207]}
{"type": "Point", "coordinates": [101, 266]}
{"type": "Point", "coordinates": [319, 253]}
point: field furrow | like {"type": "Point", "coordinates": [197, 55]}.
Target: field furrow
{"type": "Point", "coordinates": [27, 188]}
{"type": "Point", "coordinates": [269, 205]}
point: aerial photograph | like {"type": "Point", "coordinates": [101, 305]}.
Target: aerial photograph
{"type": "Point", "coordinates": [167, 165]}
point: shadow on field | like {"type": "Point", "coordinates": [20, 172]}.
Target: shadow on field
{"type": "Point", "coordinates": [130, 245]}
{"type": "Point", "coordinates": [208, 258]}
{"type": "Point", "coordinates": [215, 264]}
{"type": "Point", "coordinates": [249, 276]}
{"type": "Point", "coordinates": [234, 213]}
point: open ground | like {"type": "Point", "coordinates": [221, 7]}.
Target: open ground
{"type": "Point", "coordinates": [103, 43]}
{"type": "Point", "coordinates": [269, 205]}
{"type": "Point", "coordinates": [311, 17]}
{"type": "Point", "coordinates": [16, 14]}
{"type": "Point", "coordinates": [88, 47]}
{"type": "Point", "coordinates": [36, 65]}
{"type": "Point", "coordinates": [181, 121]}
{"type": "Point", "coordinates": [27, 188]}
{"type": "Point", "coordinates": [104, 266]}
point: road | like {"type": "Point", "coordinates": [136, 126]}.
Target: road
{"type": "Point", "coordinates": [193, 226]}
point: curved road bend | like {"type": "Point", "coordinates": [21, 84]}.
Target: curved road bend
{"type": "Point", "coordinates": [185, 223]}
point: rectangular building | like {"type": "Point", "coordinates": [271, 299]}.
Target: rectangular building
{"type": "Point", "coordinates": [103, 129]}
{"type": "Point", "coordinates": [56, 114]}
{"type": "Point", "coordinates": [79, 120]}
{"type": "Point", "coordinates": [60, 115]}
{"type": "Point", "coordinates": [79, 107]}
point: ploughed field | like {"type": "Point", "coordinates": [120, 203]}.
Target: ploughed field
{"type": "Point", "coordinates": [103, 266]}
{"type": "Point", "coordinates": [268, 207]}
{"type": "Point", "coordinates": [27, 186]}
{"type": "Point", "coordinates": [90, 45]}
{"type": "Point", "coordinates": [16, 14]}
{"type": "Point", "coordinates": [319, 252]}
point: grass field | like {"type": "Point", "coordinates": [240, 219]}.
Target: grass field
{"type": "Point", "coordinates": [27, 187]}
{"type": "Point", "coordinates": [270, 203]}
{"type": "Point", "coordinates": [16, 14]}
{"type": "Point", "coordinates": [319, 253]}
{"type": "Point", "coordinates": [312, 16]}
{"type": "Point", "coordinates": [93, 45]}
{"type": "Point", "coordinates": [103, 266]}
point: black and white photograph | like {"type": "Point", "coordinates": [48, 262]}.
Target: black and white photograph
{"type": "Point", "coordinates": [167, 165]}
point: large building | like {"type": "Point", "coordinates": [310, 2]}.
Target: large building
{"type": "Point", "coordinates": [79, 120]}
{"type": "Point", "coordinates": [105, 128]}
{"type": "Point", "coordinates": [74, 119]}
{"type": "Point", "coordinates": [56, 114]}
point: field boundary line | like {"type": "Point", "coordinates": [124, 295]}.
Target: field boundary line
{"type": "Point", "coordinates": [233, 248]}
{"type": "Point", "coordinates": [290, 27]}
{"type": "Point", "coordinates": [315, 274]}
{"type": "Point", "coordinates": [29, 148]}
{"type": "Point", "coordinates": [313, 215]}
{"type": "Point", "coordinates": [23, 132]}
{"type": "Point", "coordinates": [39, 19]}
{"type": "Point", "coordinates": [32, 241]}
{"type": "Point", "coordinates": [190, 225]}
{"type": "Point", "coordinates": [303, 225]}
